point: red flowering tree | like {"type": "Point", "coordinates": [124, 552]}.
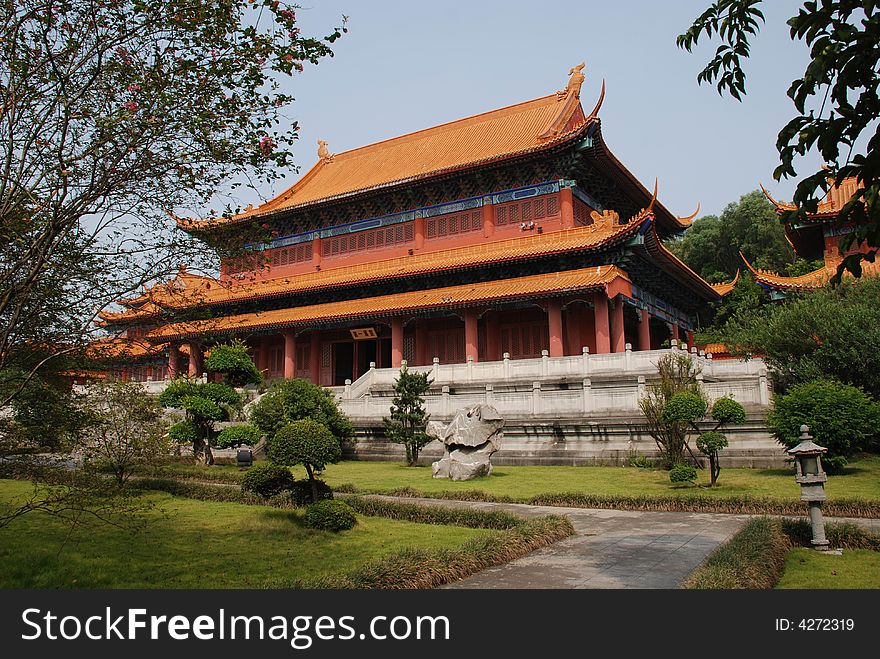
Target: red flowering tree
{"type": "Point", "coordinates": [114, 115]}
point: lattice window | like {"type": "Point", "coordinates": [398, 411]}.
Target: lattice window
{"type": "Point", "coordinates": [501, 215]}
{"type": "Point", "coordinates": [453, 225]}
{"type": "Point", "coordinates": [552, 206]}
{"type": "Point", "coordinates": [525, 341]}
{"type": "Point", "coordinates": [326, 354]}
{"type": "Point", "coordinates": [526, 211]}
{"type": "Point", "coordinates": [581, 213]}
{"type": "Point", "coordinates": [409, 349]}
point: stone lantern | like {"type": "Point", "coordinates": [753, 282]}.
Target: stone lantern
{"type": "Point", "coordinates": [811, 477]}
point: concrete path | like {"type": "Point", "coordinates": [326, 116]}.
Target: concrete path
{"type": "Point", "coordinates": [610, 548]}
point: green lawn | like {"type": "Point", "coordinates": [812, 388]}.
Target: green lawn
{"type": "Point", "coordinates": [861, 480]}
{"type": "Point", "coordinates": [808, 568]}
{"type": "Point", "coordinates": [197, 544]}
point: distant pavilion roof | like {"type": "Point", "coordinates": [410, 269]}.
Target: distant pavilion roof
{"type": "Point", "coordinates": [451, 297]}
{"type": "Point", "coordinates": [726, 287]}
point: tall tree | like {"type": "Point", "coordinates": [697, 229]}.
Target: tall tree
{"type": "Point", "coordinates": [114, 114]}
{"type": "Point", "coordinates": [713, 244]}
{"type": "Point", "coordinates": [408, 417]}
{"type": "Point", "coordinates": [836, 101]}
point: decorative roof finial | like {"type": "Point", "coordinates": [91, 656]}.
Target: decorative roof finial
{"type": "Point", "coordinates": [575, 80]}
{"type": "Point", "coordinates": [690, 218]}
{"type": "Point", "coordinates": [323, 152]}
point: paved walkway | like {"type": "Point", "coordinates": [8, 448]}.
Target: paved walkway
{"type": "Point", "coordinates": [610, 548]}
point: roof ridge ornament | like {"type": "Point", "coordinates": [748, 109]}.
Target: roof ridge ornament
{"type": "Point", "coordinates": [323, 152]}
{"type": "Point", "coordinates": [690, 218]}
{"type": "Point", "coordinates": [595, 113]}
{"type": "Point", "coordinates": [575, 80]}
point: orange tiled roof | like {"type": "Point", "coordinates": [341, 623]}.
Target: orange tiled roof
{"type": "Point", "coordinates": [836, 199]}
{"type": "Point", "coordinates": [555, 242]}
{"type": "Point", "coordinates": [146, 310]}
{"type": "Point", "coordinates": [810, 281]}
{"type": "Point", "coordinates": [724, 288]}
{"type": "Point", "coordinates": [437, 298]}
{"type": "Point", "coordinates": [495, 135]}
{"type": "Point", "coordinates": [117, 348]}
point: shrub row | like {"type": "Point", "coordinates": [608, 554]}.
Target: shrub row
{"type": "Point", "coordinates": [841, 535]}
{"type": "Point", "coordinates": [443, 515]}
{"type": "Point", "coordinates": [420, 568]}
{"type": "Point", "coordinates": [754, 558]}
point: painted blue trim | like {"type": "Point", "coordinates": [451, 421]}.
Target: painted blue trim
{"type": "Point", "coordinates": [587, 199]}
{"type": "Point", "coordinates": [459, 205]}
{"type": "Point", "coordinates": [661, 309]}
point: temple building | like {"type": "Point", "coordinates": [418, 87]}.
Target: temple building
{"type": "Point", "coordinates": [513, 234]}
{"type": "Point", "coordinates": [818, 238]}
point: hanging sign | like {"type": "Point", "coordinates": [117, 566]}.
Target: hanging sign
{"type": "Point", "coordinates": [362, 333]}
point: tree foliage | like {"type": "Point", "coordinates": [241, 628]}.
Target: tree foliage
{"type": "Point", "coordinates": [712, 245]}
{"type": "Point", "coordinates": [115, 115]}
{"type": "Point", "coordinates": [408, 419]}
{"type": "Point", "coordinates": [233, 361]}
{"type": "Point", "coordinates": [842, 418]}
{"type": "Point", "coordinates": [677, 375]}
{"type": "Point", "coordinates": [292, 400]}
{"type": "Point", "coordinates": [129, 431]}
{"type": "Point", "coordinates": [829, 333]}
{"type": "Point", "coordinates": [305, 442]}
{"type": "Point", "coordinates": [204, 403]}
{"type": "Point", "coordinates": [836, 102]}
{"type": "Point", "coordinates": [235, 436]}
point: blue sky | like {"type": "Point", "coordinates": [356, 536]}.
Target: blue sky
{"type": "Point", "coordinates": [405, 66]}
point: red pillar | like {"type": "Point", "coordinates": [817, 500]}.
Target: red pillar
{"type": "Point", "coordinates": [488, 219]}
{"type": "Point", "coordinates": [645, 331]}
{"type": "Point", "coordinates": [264, 357]}
{"type": "Point", "coordinates": [603, 332]}
{"type": "Point", "coordinates": [173, 361]}
{"type": "Point", "coordinates": [396, 341]}
{"type": "Point", "coordinates": [315, 357]}
{"type": "Point", "coordinates": [566, 207]}
{"type": "Point", "coordinates": [421, 331]}
{"type": "Point", "coordinates": [554, 320]}
{"type": "Point", "coordinates": [690, 338]}
{"type": "Point", "coordinates": [493, 336]}
{"type": "Point", "coordinates": [470, 335]}
{"type": "Point", "coordinates": [289, 355]}
{"type": "Point", "coordinates": [618, 340]}
{"type": "Point", "coordinates": [195, 360]}
{"type": "Point", "coordinates": [573, 324]}
{"type": "Point", "coordinates": [588, 331]}
{"type": "Point", "coordinates": [420, 232]}
{"type": "Point", "coordinates": [675, 334]}
{"type": "Point", "coordinates": [316, 253]}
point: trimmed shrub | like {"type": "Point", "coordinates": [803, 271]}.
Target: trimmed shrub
{"type": "Point", "coordinates": [235, 436]}
{"type": "Point", "coordinates": [301, 492]}
{"type": "Point", "coordinates": [842, 418]}
{"type": "Point", "coordinates": [305, 442]}
{"type": "Point", "coordinates": [330, 515]}
{"type": "Point", "coordinates": [184, 432]}
{"type": "Point", "coordinates": [685, 407]}
{"type": "Point", "coordinates": [683, 474]}
{"type": "Point", "coordinates": [726, 410]}
{"type": "Point", "coordinates": [293, 400]}
{"type": "Point", "coordinates": [233, 361]}
{"type": "Point", "coordinates": [754, 558]}
{"type": "Point", "coordinates": [267, 480]}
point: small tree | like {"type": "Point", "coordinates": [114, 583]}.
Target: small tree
{"type": "Point", "coordinates": [308, 443]}
{"type": "Point", "coordinates": [235, 436]}
{"type": "Point", "coordinates": [233, 361]}
{"type": "Point", "coordinates": [689, 408]}
{"type": "Point", "coordinates": [408, 417]}
{"type": "Point", "coordinates": [292, 400]}
{"type": "Point", "coordinates": [678, 374]}
{"type": "Point", "coordinates": [129, 431]}
{"type": "Point", "coordinates": [204, 403]}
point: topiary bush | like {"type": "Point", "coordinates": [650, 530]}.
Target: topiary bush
{"type": "Point", "coordinates": [726, 410]}
{"type": "Point", "coordinates": [267, 480]}
{"type": "Point", "coordinates": [685, 407]}
{"type": "Point", "coordinates": [682, 473]}
{"type": "Point", "coordinates": [301, 492]}
{"type": "Point", "coordinates": [235, 436]}
{"type": "Point", "coordinates": [292, 400]}
{"type": "Point", "coordinates": [233, 361]}
{"type": "Point", "coordinates": [305, 442]}
{"type": "Point", "coordinates": [184, 432]}
{"type": "Point", "coordinates": [330, 515]}
{"type": "Point", "coordinates": [842, 418]}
